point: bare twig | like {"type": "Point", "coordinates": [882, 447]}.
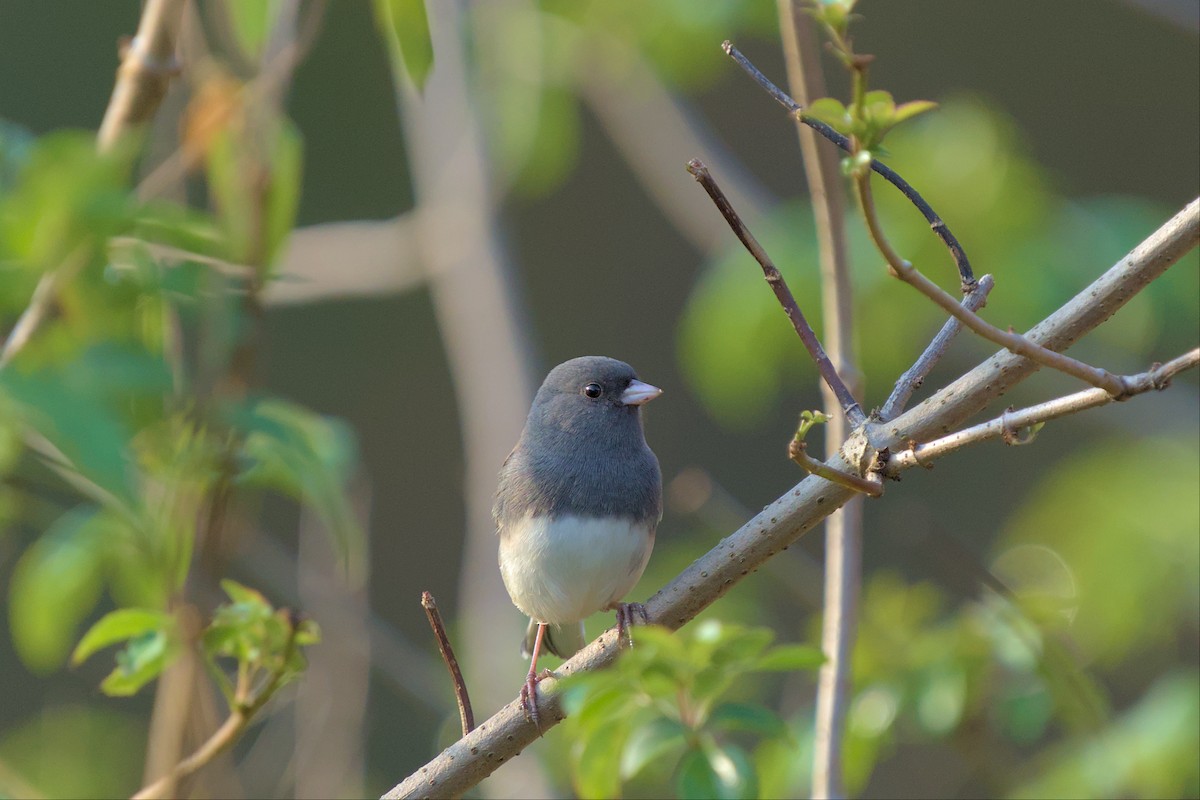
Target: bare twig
{"type": "Point", "coordinates": [798, 453]}
{"type": "Point", "coordinates": [466, 716]}
{"type": "Point", "coordinates": [246, 705]}
{"type": "Point", "coordinates": [843, 529]}
{"type": "Point", "coordinates": [468, 761]}
{"type": "Point", "coordinates": [922, 455]}
{"type": "Point", "coordinates": [915, 375]}
{"type": "Point", "coordinates": [936, 223]}
{"type": "Point", "coordinates": [1101, 378]}
{"type": "Point", "coordinates": [849, 405]}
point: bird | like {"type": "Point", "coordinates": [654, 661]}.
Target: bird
{"type": "Point", "coordinates": [577, 505]}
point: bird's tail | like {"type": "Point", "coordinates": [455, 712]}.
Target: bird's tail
{"type": "Point", "coordinates": [563, 641]}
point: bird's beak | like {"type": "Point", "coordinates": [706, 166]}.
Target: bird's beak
{"type": "Point", "coordinates": [639, 393]}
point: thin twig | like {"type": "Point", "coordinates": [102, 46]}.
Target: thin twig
{"type": "Point", "coordinates": [147, 65]}
{"type": "Point", "coordinates": [466, 716]}
{"type": "Point", "coordinates": [798, 453]}
{"type": "Point", "coordinates": [842, 582]}
{"type": "Point", "coordinates": [231, 729]}
{"type": "Point", "coordinates": [939, 227]}
{"type": "Point", "coordinates": [1015, 342]}
{"type": "Point", "coordinates": [471, 759]}
{"type": "Point", "coordinates": [850, 406]}
{"type": "Point", "coordinates": [915, 375]}
{"type": "Point", "coordinates": [922, 455]}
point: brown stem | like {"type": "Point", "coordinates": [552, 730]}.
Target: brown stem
{"type": "Point", "coordinates": [798, 452]}
{"type": "Point", "coordinates": [850, 406]}
{"type": "Point", "coordinates": [229, 732]}
{"type": "Point", "coordinates": [466, 716]}
{"type": "Point", "coordinates": [147, 66]}
{"type": "Point", "coordinates": [1014, 342]}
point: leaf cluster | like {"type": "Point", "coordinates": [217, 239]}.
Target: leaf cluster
{"type": "Point", "coordinates": [670, 703]}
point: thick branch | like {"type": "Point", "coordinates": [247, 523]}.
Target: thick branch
{"type": "Point", "coordinates": [923, 455]}
{"type": "Point", "coordinates": [939, 227]}
{"type": "Point", "coordinates": [469, 760]}
{"type": "Point", "coordinates": [850, 406]}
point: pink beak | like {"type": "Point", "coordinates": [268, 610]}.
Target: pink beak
{"type": "Point", "coordinates": [639, 393]}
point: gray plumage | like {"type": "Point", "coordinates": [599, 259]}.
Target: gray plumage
{"type": "Point", "coordinates": [581, 456]}
{"type": "Point", "coordinates": [581, 461]}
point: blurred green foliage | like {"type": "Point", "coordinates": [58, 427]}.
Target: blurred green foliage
{"type": "Point", "coordinates": [126, 419]}
{"type": "Point", "coordinates": [667, 713]}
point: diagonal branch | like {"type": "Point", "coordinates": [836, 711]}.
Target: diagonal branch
{"type": "Point", "coordinates": [1157, 379]}
{"type": "Point", "coordinates": [471, 759]}
{"type": "Point", "coordinates": [915, 375]}
{"type": "Point", "coordinates": [850, 407]}
{"type": "Point", "coordinates": [939, 227]}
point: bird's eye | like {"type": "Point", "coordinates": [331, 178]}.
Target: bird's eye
{"type": "Point", "coordinates": [593, 390]}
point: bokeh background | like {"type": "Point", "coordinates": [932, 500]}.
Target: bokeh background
{"type": "Point", "coordinates": [531, 205]}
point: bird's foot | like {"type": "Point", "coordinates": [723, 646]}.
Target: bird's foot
{"type": "Point", "coordinates": [627, 614]}
{"type": "Point", "coordinates": [529, 702]}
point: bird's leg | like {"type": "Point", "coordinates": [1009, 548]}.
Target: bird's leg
{"type": "Point", "coordinates": [529, 689]}
{"type": "Point", "coordinates": [626, 616]}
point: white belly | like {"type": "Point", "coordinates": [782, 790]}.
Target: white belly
{"type": "Point", "coordinates": [566, 569]}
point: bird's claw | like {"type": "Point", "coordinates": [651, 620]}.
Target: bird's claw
{"type": "Point", "coordinates": [626, 616]}
{"type": "Point", "coordinates": [529, 703]}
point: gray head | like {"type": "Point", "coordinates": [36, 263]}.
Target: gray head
{"type": "Point", "coordinates": [590, 393]}
{"type": "Point", "coordinates": [582, 451]}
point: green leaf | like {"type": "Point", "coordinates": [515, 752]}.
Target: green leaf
{"type": "Point", "coordinates": [142, 660]}
{"type": "Point", "coordinates": [55, 584]}
{"type": "Point", "coordinates": [77, 422]}
{"type": "Point", "coordinates": [67, 195]}
{"type": "Point", "coordinates": [292, 450]}
{"type": "Point", "coordinates": [283, 193]}
{"type": "Point", "coordinates": [117, 626]}
{"type": "Point", "coordinates": [716, 771]}
{"type": "Point", "coordinates": [308, 632]}
{"type": "Point", "coordinates": [789, 657]}
{"type": "Point", "coordinates": [746, 717]}
{"type": "Point", "coordinates": [597, 763]}
{"type": "Point", "coordinates": [831, 112]}
{"type": "Point", "coordinates": [405, 27]}
{"type": "Point", "coordinates": [655, 742]}
{"type": "Point", "coordinates": [242, 594]}
{"type": "Point", "coordinates": [912, 108]}
{"type": "Point", "coordinates": [234, 168]}
{"type": "Point", "coordinates": [252, 21]}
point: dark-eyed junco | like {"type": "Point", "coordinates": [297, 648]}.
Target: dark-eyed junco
{"type": "Point", "coordinates": [579, 499]}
